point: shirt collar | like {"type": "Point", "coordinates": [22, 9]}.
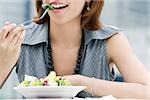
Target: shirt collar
{"type": "Point", "coordinates": [36, 34]}
{"type": "Point", "coordinates": [105, 32]}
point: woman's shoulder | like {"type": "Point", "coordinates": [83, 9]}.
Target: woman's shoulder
{"type": "Point", "coordinates": [118, 46]}
{"type": "Point", "coordinates": [114, 35]}
{"type": "Point", "coordinates": [105, 32]}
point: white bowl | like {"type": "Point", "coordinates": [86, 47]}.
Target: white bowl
{"type": "Point", "coordinates": [49, 91]}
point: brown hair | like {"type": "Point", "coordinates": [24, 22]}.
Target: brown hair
{"type": "Point", "coordinates": [89, 20]}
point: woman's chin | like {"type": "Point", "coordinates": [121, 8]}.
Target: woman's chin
{"type": "Point", "coordinates": [59, 22]}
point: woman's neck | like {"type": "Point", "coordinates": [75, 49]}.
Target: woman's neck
{"type": "Point", "coordinates": [66, 35]}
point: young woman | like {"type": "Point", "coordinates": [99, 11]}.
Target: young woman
{"type": "Point", "coordinates": [71, 41]}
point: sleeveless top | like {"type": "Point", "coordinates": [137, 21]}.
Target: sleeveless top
{"type": "Point", "coordinates": [33, 59]}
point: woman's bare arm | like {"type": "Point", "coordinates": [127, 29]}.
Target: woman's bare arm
{"type": "Point", "coordinates": [121, 90]}
{"type": "Point", "coordinates": [11, 38]}
{"type": "Point", "coordinates": [133, 71]}
{"type": "Point", "coordinates": [137, 78]}
{"type": "Point", "coordinates": [122, 55]}
{"type": "Point", "coordinates": [4, 74]}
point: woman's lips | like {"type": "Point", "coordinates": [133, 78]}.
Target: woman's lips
{"type": "Point", "coordinates": [58, 7]}
{"type": "Point", "coordinates": [59, 10]}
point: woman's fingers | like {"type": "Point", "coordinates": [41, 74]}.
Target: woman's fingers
{"type": "Point", "coordinates": [17, 36]}
{"type": "Point", "coordinates": [15, 39]}
{"type": "Point", "coordinates": [15, 32]}
{"type": "Point", "coordinates": [5, 30]}
{"type": "Point", "coordinates": [12, 35]}
{"type": "Point", "coordinates": [20, 39]}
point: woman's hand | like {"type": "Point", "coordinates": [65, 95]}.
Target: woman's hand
{"type": "Point", "coordinates": [74, 79]}
{"type": "Point", "coordinates": [11, 38]}
{"type": "Point", "coordinates": [80, 80]}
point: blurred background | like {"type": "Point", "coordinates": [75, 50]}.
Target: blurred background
{"type": "Point", "coordinates": [132, 16]}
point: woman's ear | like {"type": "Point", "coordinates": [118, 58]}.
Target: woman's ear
{"type": "Point", "coordinates": [88, 5]}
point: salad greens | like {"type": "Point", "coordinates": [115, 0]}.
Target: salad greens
{"type": "Point", "coordinates": [50, 80]}
{"type": "Point", "coordinates": [47, 6]}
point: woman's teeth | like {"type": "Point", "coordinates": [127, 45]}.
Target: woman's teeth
{"type": "Point", "coordinates": [59, 6]}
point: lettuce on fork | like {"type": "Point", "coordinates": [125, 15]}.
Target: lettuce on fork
{"type": "Point", "coordinates": [47, 6]}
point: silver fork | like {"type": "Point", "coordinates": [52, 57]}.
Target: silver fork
{"type": "Point", "coordinates": [34, 19]}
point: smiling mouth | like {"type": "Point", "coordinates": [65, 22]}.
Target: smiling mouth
{"type": "Point", "coordinates": [59, 6]}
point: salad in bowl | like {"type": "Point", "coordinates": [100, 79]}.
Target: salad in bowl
{"type": "Point", "coordinates": [50, 80]}
{"type": "Point", "coordinates": [51, 86]}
